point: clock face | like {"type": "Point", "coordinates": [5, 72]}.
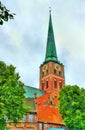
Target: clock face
{"type": "Point", "coordinates": [57, 67]}
{"type": "Point", "coordinates": [45, 68]}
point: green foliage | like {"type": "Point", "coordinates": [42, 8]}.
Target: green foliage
{"type": "Point", "coordinates": [4, 14]}
{"type": "Point", "coordinates": [72, 107]}
{"type": "Point", "coordinates": [11, 95]}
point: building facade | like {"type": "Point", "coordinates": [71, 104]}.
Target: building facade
{"type": "Point", "coordinates": [44, 114]}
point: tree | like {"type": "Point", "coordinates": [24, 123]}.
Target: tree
{"type": "Point", "coordinates": [72, 107]}
{"type": "Point", "coordinates": [11, 96]}
{"type": "Point", "coordinates": [5, 14]}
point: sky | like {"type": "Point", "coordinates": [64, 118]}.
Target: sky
{"type": "Point", "coordinates": [23, 39]}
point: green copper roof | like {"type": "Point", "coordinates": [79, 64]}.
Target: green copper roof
{"type": "Point", "coordinates": [51, 54]}
{"type": "Point", "coordinates": [30, 91]}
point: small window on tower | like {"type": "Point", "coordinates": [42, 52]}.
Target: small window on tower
{"type": "Point", "coordinates": [55, 84]}
{"type": "Point", "coordinates": [42, 74]}
{"type": "Point", "coordinates": [60, 73]}
{"type": "Point", "coordinates": [55, 71]}
{"type": "Point", "coordinates": [42, 85]}
{"type": "Point", "coordinates": [46, 71]}
{"type": "Point", "coordinates": [60, 84]}
{"type": "Point", "coordinates": [47, 84]}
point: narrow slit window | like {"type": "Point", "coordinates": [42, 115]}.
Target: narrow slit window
{"type": "Point", "coordinates": [60, 73]}
{"type": "Point", "coordinates": [55, 71]}
{"type": "Point", "coordinates": [46, 71]}
{"type": "Point", "coordinates": [42, 74]}
{"type": "Point", "coordinates": [60, 84]}
{"type": "Point", "coordinates": [42, 85]}
{"type": "Point", "coordinates": [46, 84]}
{"type": "Point", "coordinates": [55, 84]}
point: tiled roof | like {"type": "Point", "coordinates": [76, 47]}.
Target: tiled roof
{"type": "Point", "coordinates": [30, 91]}
{"type": "Point", "coordinates": [49, 114]}
{"type": "Point", "coordinates": [47, 105]}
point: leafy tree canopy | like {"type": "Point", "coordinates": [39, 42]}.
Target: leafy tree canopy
{"type": "Point", "coordinates": [72, 107]}
{"type": "Point", "coordinates": [11, 96]}
{"type": "Point", "coordinates": [5, 14]}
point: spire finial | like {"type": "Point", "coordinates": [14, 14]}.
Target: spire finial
{"type": "Point", "coordinates": [50, 10]}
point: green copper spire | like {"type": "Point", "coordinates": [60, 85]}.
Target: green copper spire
{"type": "Point", "coordinates": [51, 54]}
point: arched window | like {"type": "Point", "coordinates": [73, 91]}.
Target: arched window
{"type": "Point", "coordinates": [55, 71]}
{"type": "Point", "coordinates": [47, 84]}
{"type": "Point", "coordinates": [46, 71]}
{"type": "Point", "coordinates": [55, 83]}
{"type": "Point", "coordinates": [42, 74]}
{"type": "Point", "coordinates": [60, 73]}
{"type": "Point", "coordinates": [42, 85]}
{"type": "Point", "coordinates": [60, 84]}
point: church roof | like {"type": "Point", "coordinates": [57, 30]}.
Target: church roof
{"type": "Point", "coordinates": [30, 91]}
{"type": "Point", "coordinates": [51, 54]}
{"type": "Point", "coordinates": [48, 111]}
{"type": "Point", "coordinates": [49, 114]}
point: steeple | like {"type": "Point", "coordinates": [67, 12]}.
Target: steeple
{"type": "Point", "coordinates": [51, 71]}
{"type": "Point", "coordinates": [51, 54]}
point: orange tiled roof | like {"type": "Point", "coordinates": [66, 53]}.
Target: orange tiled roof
{"type": "Point", "coordinates": [42, 99]}
{"type": "Point", "coordinates": [49, 114]}
{"type": "Point", "coordinates": [47, 107]}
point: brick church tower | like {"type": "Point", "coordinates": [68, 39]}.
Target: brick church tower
{"type": "Point", "coordinates": [52, 70]}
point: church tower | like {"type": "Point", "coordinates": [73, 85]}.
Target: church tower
{"type": "Point", "coordinates": [52, 70]}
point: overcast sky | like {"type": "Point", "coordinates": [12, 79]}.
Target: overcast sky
{"type": "Point", "coordinates": [23, 40]}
